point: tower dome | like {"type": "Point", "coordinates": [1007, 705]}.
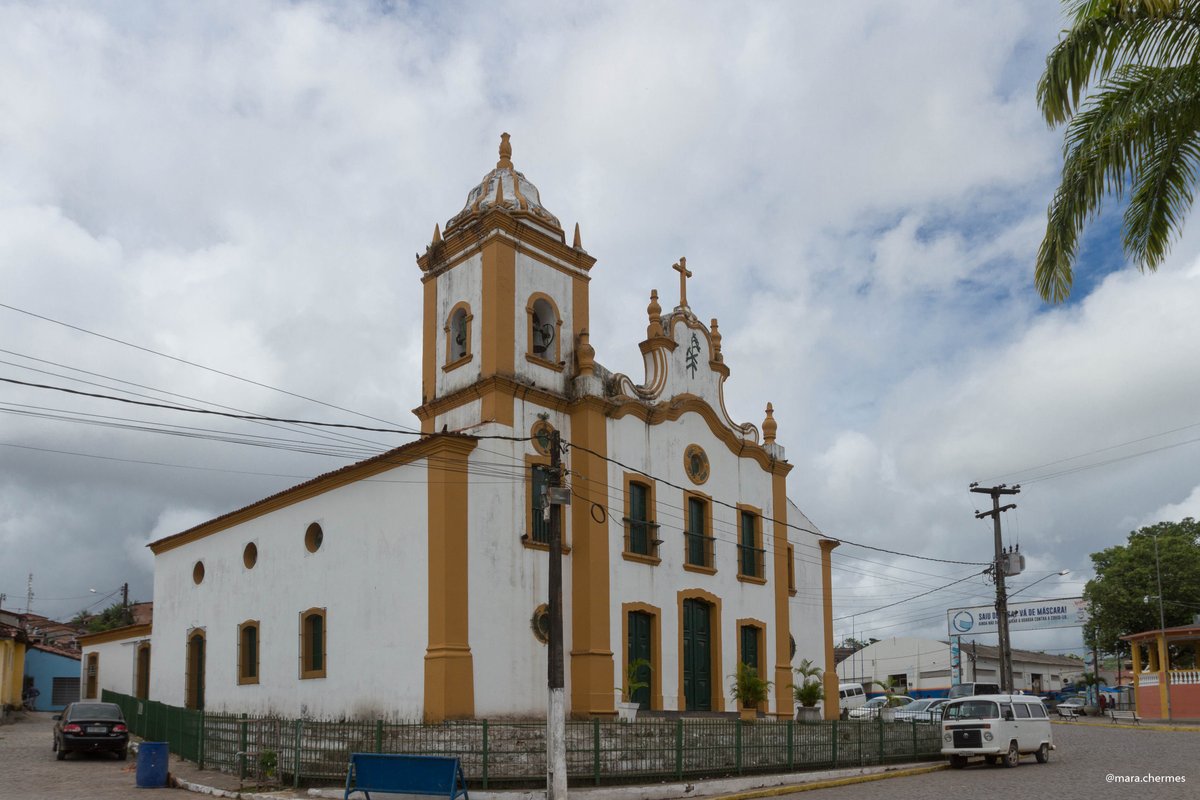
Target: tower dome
{"type": "Point", "coordinates": [507, 189]}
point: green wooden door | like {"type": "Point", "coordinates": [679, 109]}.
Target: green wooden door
{"type": "Point", "coordinates": [639, 647]}
{"type": "Point", "coordinates": [697, 656]}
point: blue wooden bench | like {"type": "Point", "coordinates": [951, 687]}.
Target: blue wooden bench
{"type": "Point", "coordinates": [404, 774]}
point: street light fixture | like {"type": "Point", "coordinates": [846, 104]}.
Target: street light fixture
{"type": "Point", "coordinates": [1060, 573]}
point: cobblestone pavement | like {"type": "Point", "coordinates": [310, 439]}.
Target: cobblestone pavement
{"type": "Point", "coordinates": [1077, 770]}
{"type": "Point", "coordinates": [29, 771]}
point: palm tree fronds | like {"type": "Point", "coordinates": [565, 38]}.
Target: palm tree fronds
{"type": "Point", "coordinates": [1109, 34]}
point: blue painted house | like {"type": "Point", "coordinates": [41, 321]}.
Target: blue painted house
{"type": "Point", "coordinates": [54, 673]}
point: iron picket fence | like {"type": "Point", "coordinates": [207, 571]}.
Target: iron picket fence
{"type": "Point", "coordinates": [269, 750]}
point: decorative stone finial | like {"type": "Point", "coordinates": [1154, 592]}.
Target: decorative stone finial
{"type": "Point", "coordinates": [654, 311]}
{"type": "Point", "coordinates": [769, 426]}
{"type": "Point", "coordinates": [505, 161]}
{"type": "Point", "coordinates": [585, 354]}
{"type": "Point", "coordinates": [578, 244]}
{"type": "Point", "coordinates": [437, 234]}
{"type": "Point", "coordinates": [716, 342]}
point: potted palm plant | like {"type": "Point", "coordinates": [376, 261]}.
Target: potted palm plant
{"type": "Point", "coordinates": [888, 712]}
{"type": "Point", "coordinates": [749, 690]}
{"type": "Point", "coordinates": [808, 692]}
{"type": "Point", "coordinates": [627, 709]}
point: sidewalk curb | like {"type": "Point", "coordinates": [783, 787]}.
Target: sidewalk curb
{"type": "Point", "coordinates": [1151, 727]}
{"type": "Point", "coordinates": [827, 784]}
{"type": "Point", "coordinates": [715, 789]}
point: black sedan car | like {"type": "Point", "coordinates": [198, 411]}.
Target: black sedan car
{"type": "Point", "coordinates": [91, 727]}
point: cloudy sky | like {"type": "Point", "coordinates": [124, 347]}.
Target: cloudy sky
{"type": "Point", "coordinates": [209, 203]}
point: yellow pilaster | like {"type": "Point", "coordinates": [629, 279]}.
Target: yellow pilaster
{"type": "Point", "coordinates": [499, 325]}
{"type": "Point", "coordinates": [832, 705]}
{"type": "Point", "coordinates": [592, 667]}
{"type": "Point", "coordinates": [449, 669]}
{"type": "Point", "coordinates": [429, 352]}
{"type": "Point", "coordinates": [783, 621]}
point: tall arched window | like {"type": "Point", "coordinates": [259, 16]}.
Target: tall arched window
{"type": "Point", "coordinates": [194, 691]}
{"type": "Point", "coordinates": [141, 682]}
{"type": "Point", "coordinates": [248, 652]}
{"type": "Point", "coordinates": [312, 643]}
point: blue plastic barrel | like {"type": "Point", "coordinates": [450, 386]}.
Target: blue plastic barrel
{"type": "Point", "coordinates": [152, 765]}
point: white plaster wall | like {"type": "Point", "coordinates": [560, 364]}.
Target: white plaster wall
{"type": "Point", "coordinates": [118, 663]}
{"type": "Point", "coordinates": [460, 418]}
{"type": "Point", "coordinates": [534, 276]}
{"type": "Point", "coordinates": [462, 283]}
{"type": "Point", "coordinates": [508, 580]}
{"type": "Point", "coordinates": [705, 383]}
{"type": "Point", "coordinates": [806, 608]}
{"type": "Point", "coordinates": [370, 574]}
{"type": "Point", "coordinates": [913, 655]}
{"type": "Point", "coordinates": [658, 450]}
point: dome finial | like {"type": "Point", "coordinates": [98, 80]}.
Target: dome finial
{"type": "Point", "coordinates": [505, 161]}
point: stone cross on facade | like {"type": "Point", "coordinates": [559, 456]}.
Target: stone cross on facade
{"type": "Point", "coordinates": [684, 274]}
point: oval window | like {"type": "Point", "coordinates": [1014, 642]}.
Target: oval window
{"type": "Point", "coordinates": [250, 555]}
{"type": "Point", "coordinates": [313, 538]}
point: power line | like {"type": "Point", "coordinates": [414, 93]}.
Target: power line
{"type": "Point", "coordinates": [257, 417]}
{"type": "Point", "coordinates": [776, 521]}
{"type": "Point", "coordinates": [194, 364]}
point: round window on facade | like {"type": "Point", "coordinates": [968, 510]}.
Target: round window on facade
{"type": "Point", "coordinates": [313, 538]}
{"type": "Point", "coordinates": [250, 555]}
{"type": "Point", "coordinates": [540, 623]}
{"type": "Point", "coordinates": [198, 572]}
{"type": "Point", "coordinates": [539, 434]}
{"type": "Point", "coordinates": [695, 464]}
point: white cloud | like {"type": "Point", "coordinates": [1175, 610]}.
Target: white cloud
{"type": "Point", "coordinates": [859, 189]}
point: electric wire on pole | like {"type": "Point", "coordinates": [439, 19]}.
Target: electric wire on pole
{"type": "Point", "coordinates": [999, 568]}
{"type": "Point", "coordinates": [556, 741]}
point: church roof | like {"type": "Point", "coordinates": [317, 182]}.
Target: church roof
{"type": "Point", "coordinates": [350, 473]}
{"type": "Point", "coordinates": [507, 189]}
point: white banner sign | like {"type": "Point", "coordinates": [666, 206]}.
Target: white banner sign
{"type": "Point", "coordinates": [1063, 612]}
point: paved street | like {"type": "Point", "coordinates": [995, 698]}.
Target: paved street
{"type": "Point", "coordinates": [1077, 771]}
{"type": "Point", "coordinates": [29, 771]}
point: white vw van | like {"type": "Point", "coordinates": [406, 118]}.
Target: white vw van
{"type": "Point", "coordinates": [851, 696]}
{"type": "Point", "coordinates": [999, 727]}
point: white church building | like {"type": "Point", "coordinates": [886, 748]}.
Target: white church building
{"type": "Point", "coordinates": [413, 585]}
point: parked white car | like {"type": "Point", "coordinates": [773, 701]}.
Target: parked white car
{"type": "Point", "coordinates": [871, 708]}
{"type": "Point", "coordinates": [927, 709]}
{"type": "Point", "coordinates": [1076, 704]}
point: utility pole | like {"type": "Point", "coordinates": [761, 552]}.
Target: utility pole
{"type": "Point", "coordinates": [29, 595]}
{"type": "Point", "coordinates": [126, 617]}
{"type": "Point", "coordinates": [556, 733]}
{"type": "Point", "coordinates": [1006, 679]}
{"type": "Point", "coordinates": [1164, 654]}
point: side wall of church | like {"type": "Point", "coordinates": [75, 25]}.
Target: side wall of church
{"type": "Point", "coordinates": [370, 575]}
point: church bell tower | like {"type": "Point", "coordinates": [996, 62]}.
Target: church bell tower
{"type": "Point", "coordinates": [505, 299]}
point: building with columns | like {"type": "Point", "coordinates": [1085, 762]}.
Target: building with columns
{"type": "Point", "coordinates": [413, 585]}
